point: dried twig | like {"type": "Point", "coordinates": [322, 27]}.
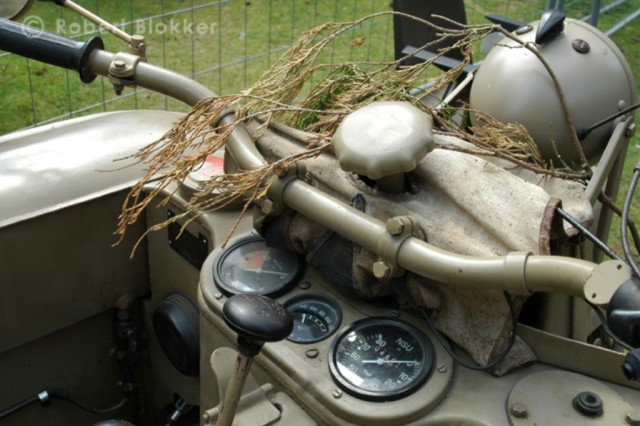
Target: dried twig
{"type": "Point", "coordinates": [286, 93]}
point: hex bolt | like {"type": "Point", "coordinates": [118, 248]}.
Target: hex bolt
{"type": "Point", "coordinates": [630, 130]}
{"type": "Point", "coordinates": [268, 206]}
{"type": "Point", "coordinates": [381, 269]}
{"type": "Point", "coordinates": [395, 226]}
{"type": "Point", "coordinates": [632, 418]}
{"type": "Point", "coordinates": [119, 64]}
{"type": "Point", "coordinates": [519, 411]}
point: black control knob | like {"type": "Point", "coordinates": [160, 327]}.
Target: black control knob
{"type": "Point", "coordinates": [256, 319]}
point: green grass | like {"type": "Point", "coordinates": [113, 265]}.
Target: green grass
{"type": "Point", "coordinates": [237, 41]}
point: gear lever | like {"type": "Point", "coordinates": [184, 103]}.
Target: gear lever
{"type": "Point", "coordinates": [256, 319]}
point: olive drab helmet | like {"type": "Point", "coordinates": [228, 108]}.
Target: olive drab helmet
{"type": "Point", "coordinates": [513, 86]}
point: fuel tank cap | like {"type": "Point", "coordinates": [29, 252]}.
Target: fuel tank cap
{"type": "Point", "coordinates": [383, 139]}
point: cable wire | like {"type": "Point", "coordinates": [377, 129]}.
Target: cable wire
{"type": "Point", "coordinates": [595, 240]}
{"type": "Point", "coordinates": [445, 344]}
{"type": "Point", "coordinates": [608, 331]}
{"type": "Point", "coordinates": [625, 219]}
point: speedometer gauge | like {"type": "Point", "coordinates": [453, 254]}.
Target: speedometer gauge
{"type": "Point", "coordinates": [250, 266]}
{"type": "Point", "coordinates": [315, 317]}
{"type": "Point", "coordinates": [381, 359]}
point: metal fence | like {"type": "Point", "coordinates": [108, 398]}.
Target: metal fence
{"type": "Point", "coordinates": [224, 44]}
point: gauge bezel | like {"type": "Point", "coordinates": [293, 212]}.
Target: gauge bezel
{"type": "Point", "coordinates": [428, 360]}
{"type": "Point", "coordinates": [319, 298]}
{"type": "Point", "coordinates": [290, 281]}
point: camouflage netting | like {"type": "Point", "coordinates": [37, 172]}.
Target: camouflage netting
{"type": "Point", "coordinates": [484, 191]}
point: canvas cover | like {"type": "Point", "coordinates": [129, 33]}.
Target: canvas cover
{"type": "Point", "coordinates": [466, 204]}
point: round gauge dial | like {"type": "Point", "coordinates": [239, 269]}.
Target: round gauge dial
{"type": "Point", "coordinates": [250, 266]}
{"type": "Point", "coordinates": [315, 317]}
{"type": "Point", "coordinates": [381, 359]}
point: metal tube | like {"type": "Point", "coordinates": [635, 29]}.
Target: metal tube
{"type": "Point", "coordinates": [234, 391]}
{"type": "Point", "coordinates": [97, 20]}
{"type": "Point", "coordinates": [622, 23]}
{"type": "Point", "coordinates": [155, 78]}
{"type": "Point", "coordinates": [604, 10]}
{"type": "Point", "coordinates": [595, 12]}
{"type": "Point", "coordinates": [516, 272]}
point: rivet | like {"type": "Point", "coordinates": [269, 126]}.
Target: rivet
{"type": "Point", "coordinates": [304, 285]}
{"type": "Point", "coordinates": [217, 296]}
{"type": "Point", "coordinates": [312, 353]}
{"type": "Point", "coordinates": [523, 30]}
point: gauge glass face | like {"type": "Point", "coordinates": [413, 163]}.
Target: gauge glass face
{"type": "Point", "coordinates": [381, 359]}
{"type": "Point", "coordinates": [249, 266]}
{"type": "Point", "coordinates": [315, 317]}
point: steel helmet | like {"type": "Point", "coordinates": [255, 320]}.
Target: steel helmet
{"type": "Point", "coordinates": [513, 86]}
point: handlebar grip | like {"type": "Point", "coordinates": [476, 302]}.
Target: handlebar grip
{"type": "Point", "coordinates": [49, 48]}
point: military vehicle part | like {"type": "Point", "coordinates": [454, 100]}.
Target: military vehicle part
{"type": "Point", "coordinates": [250, 266]}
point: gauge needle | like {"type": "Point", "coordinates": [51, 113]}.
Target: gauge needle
{"type": "Point", "coordinates": [381, 361]}
{"type": "Point", "coordinates": [262, 271]}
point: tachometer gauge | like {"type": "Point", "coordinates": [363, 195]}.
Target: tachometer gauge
{"type": "Point", "coordinates": [381, 359]}
{"type": "Point", "coordinates": [250, 266]}
{"type": "Point", "coordinates": [315, 317]}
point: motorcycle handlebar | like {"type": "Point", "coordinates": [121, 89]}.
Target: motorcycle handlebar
{"type": "Point", "coordinates": [34, 43]}
{"type": "Point", "coordinates": [519, 273]}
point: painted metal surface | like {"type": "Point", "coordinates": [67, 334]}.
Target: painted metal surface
{"type": "Point", "coordinates": [59, 165]}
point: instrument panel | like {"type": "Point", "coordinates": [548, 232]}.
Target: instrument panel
{"type": "Point", "coordinates": [250, 266]}
{"type": "Point", "coordinates": [373, 358]}
{"type": "Point", "coordinates": [381, 359]}
{"type": "Point", "coordinates": [315, 317]}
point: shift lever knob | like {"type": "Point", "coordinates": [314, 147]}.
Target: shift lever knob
{"type": "Point", "coordinates": [256, 319]}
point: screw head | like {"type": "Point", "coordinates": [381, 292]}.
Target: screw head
{"type": "Point", "coordinates": [580, 46]}
{"type": "Point", "coordinates": [312, 353]}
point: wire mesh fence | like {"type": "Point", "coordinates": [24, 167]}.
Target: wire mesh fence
{"type": "Point", "coordinates": [224, 44]}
